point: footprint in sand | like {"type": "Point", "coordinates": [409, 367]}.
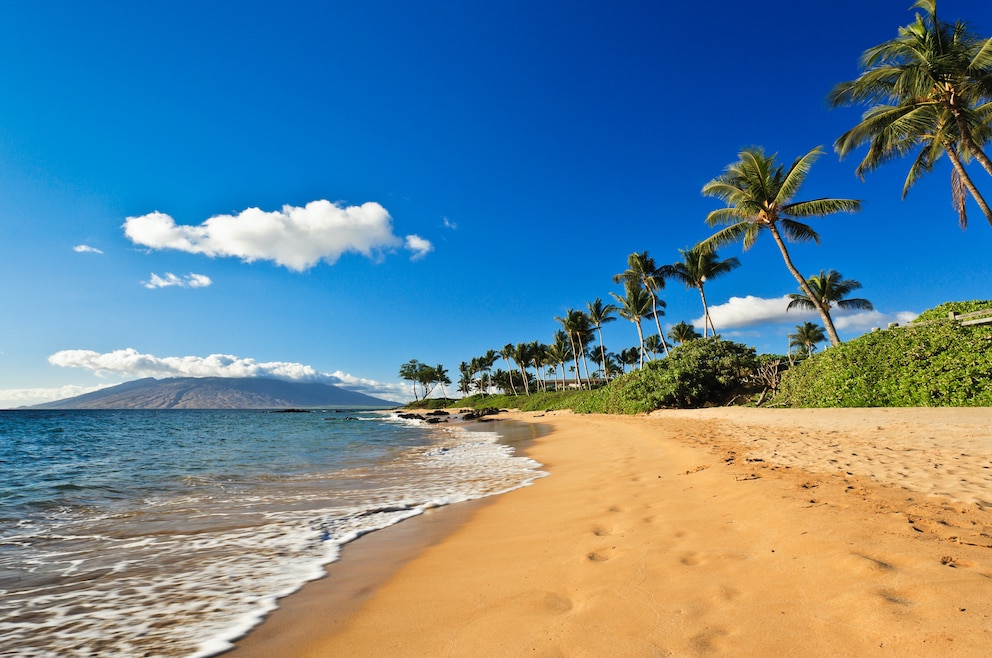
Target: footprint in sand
{"type": "Point", "coordinates": [601, 532]}
{"type": "Point", "coordinates": [691, 559]}
{"type": "Point", "coordinates": [597, 557]}
{"type": "Point", "coordinates": [893, 596]}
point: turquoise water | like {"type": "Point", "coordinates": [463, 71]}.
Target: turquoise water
{"type": "Point", "coordinates": [170, 533]}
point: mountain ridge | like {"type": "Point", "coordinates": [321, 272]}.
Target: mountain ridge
{"type": "Point", "coordinates": [217, 393]}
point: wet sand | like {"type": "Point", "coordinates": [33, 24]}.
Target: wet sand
{"type": "Point", "coordinates": [738, 532]}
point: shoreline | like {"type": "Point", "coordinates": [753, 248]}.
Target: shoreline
{"type": "Point", "coordinates": [365, 564]}
{"type": "Point", "coordinates": [744, 532]}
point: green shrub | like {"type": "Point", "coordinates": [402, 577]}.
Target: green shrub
{"type": "Point", "coordinates": [939, 364]}
{"type": "Point", "coordinates": [941, 312]}
{"type": "Point", "coordinates": [698, 373]}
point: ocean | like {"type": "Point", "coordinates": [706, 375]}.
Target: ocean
{"type": "Point", "coordinates": [172, 533]}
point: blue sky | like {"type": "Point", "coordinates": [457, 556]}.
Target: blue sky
{"type": "Point", "coordinates": [430, 180]}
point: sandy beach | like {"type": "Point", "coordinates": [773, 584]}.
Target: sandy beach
{"type": "Point", "coordinates": [738, 532]}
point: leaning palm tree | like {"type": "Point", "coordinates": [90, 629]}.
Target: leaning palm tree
{"type": "Point", "coordinates": [641, 269]}
{"type": "Point", "coordinates": [807, 335]}
{"type": "Point", "coordinates": [759, 196]}
{"type": "Point", "coordinates": [930, 88]}
{"type": "Point", "coordinates": [683, 332]}
{"type": "Point", "coordinates": [635, 305]}
{"type": "Point", "coordinates": [600, 314]}
{"type": "Point", "coordinates": [699, 265]}
{"type": "Point", "coordinates": [831, 290]}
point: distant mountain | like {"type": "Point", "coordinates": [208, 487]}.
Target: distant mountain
{"type": "Point", "coordinates": [217, 393]}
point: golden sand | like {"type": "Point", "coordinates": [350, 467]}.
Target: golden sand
{"type": "Point", "coordinates": [735, 532]}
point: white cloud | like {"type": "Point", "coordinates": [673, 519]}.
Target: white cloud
{"type": "Point", "coordinates": [294, 237]}
{"type": "Point", "coordinates": [170, 279]}
{"type": "Point", "coordinates": [752, 311]}
{"type": "Point", "coordinates": [25, 397]}
{"type": "Point", "coordinates": [865, 320]}
{"type": "Point", "coordinates": [447, 223]}
{"type": "Point", "coordinates": [86, 249]}
{"type": "Point", "coordinates": [419, 246]}
{"type": "Point", "coordinates": [131, 363]}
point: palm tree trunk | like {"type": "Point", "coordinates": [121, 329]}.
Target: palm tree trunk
{"type": "Point", "coordinates": [523, 375]}
{"type": "Point", "coordinates": [575, 356]}
{"type": "Point", "coordinates": [602, 352]}
{"type": "Point", "coordinates": [640, 336]}
{"type": "Point", "coordinates": [654, 307]}
{"type": "Point", "coordinates": [706, 312]}
{"type": "Point", "coordinates": [585, 363]}
{"type": "Point", "coordinates": [968, 183]}
{"type": "Point", "coordinates": [824, 314]}
{"type": "Point", "coordinates": [509, 373]}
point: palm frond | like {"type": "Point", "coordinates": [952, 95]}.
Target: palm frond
{"type": "Point", "coordinates": [794, 231]}
{"type": "Point", "coordinates": [821, 207]}
{"type": "Point", "coordinates": [729, 235]}
{"type": "Point", "coordinates": [795, 177]}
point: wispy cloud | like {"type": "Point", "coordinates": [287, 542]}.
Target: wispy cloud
{"type": "Point", "coordinates": [170, 280]}
{"type": "Point", "coordinates": [447, 223]}
{"type": "Point", "coordinates": [295, 237]}
{"type": "Point", "coordinates": [86, 249]}
{"type": "Point", "coordinates": [25, 397]}
{"type": "Point", "coordinates": [130, 363]}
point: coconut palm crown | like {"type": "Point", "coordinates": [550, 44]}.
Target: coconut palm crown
{"type": "Point", "coordinates": [759, 194]}
{"type": "Point", "coordinates": [929, 88]}
{"type": "Point", "coordinates": [699, 265]}
{"type": "Point", "coordinates": [642, 270]}
{"type": "Point", "coordinates": [831, 290]}
{"type": "Point", "coordinates": [807, 335]}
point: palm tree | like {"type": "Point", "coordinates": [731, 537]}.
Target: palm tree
{"type": "Point", "coordinates": [683, 332]}
{"type": "Point", "coordinates": [465, 381]}
{"type": "Point", "coordinates": [807, 335]}
{"type": "Point", "coordinates": [635, 305]}
{"type": "Point", "coordinates": [576, 325]}
{"type": "Point", "coordinates": [441, 377]}
{"type": "Point", "coordinates": [831, 290]}
{"type": "Point", "coordinates": [652, 345]}
{"type": "Point", "coordinates": [487, 361]}
{"type": "Point", "coordinates": [759, 196]}
{"type": "Point", "coordinates": [929, 88]}
{"type": "Point", "coordinates": [641, 269]}
{"type": "Point", "coordinates": [697, 266]}
{"type": "Point", "coordinates": [507, 354]}
{"type": "Point", "coordinates": [521, 354]}
{"type": "Point", "coordinates": [630, 356]}
{"type": "Point", "coordinates": [599, 314]}
{"type": "Point", "coordinates": [557, 354]}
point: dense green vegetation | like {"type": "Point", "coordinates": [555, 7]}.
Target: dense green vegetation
{"type": "Point", "coordinates": [697, 373]}
{"type": "Point", "coordinates": [940, 363]}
